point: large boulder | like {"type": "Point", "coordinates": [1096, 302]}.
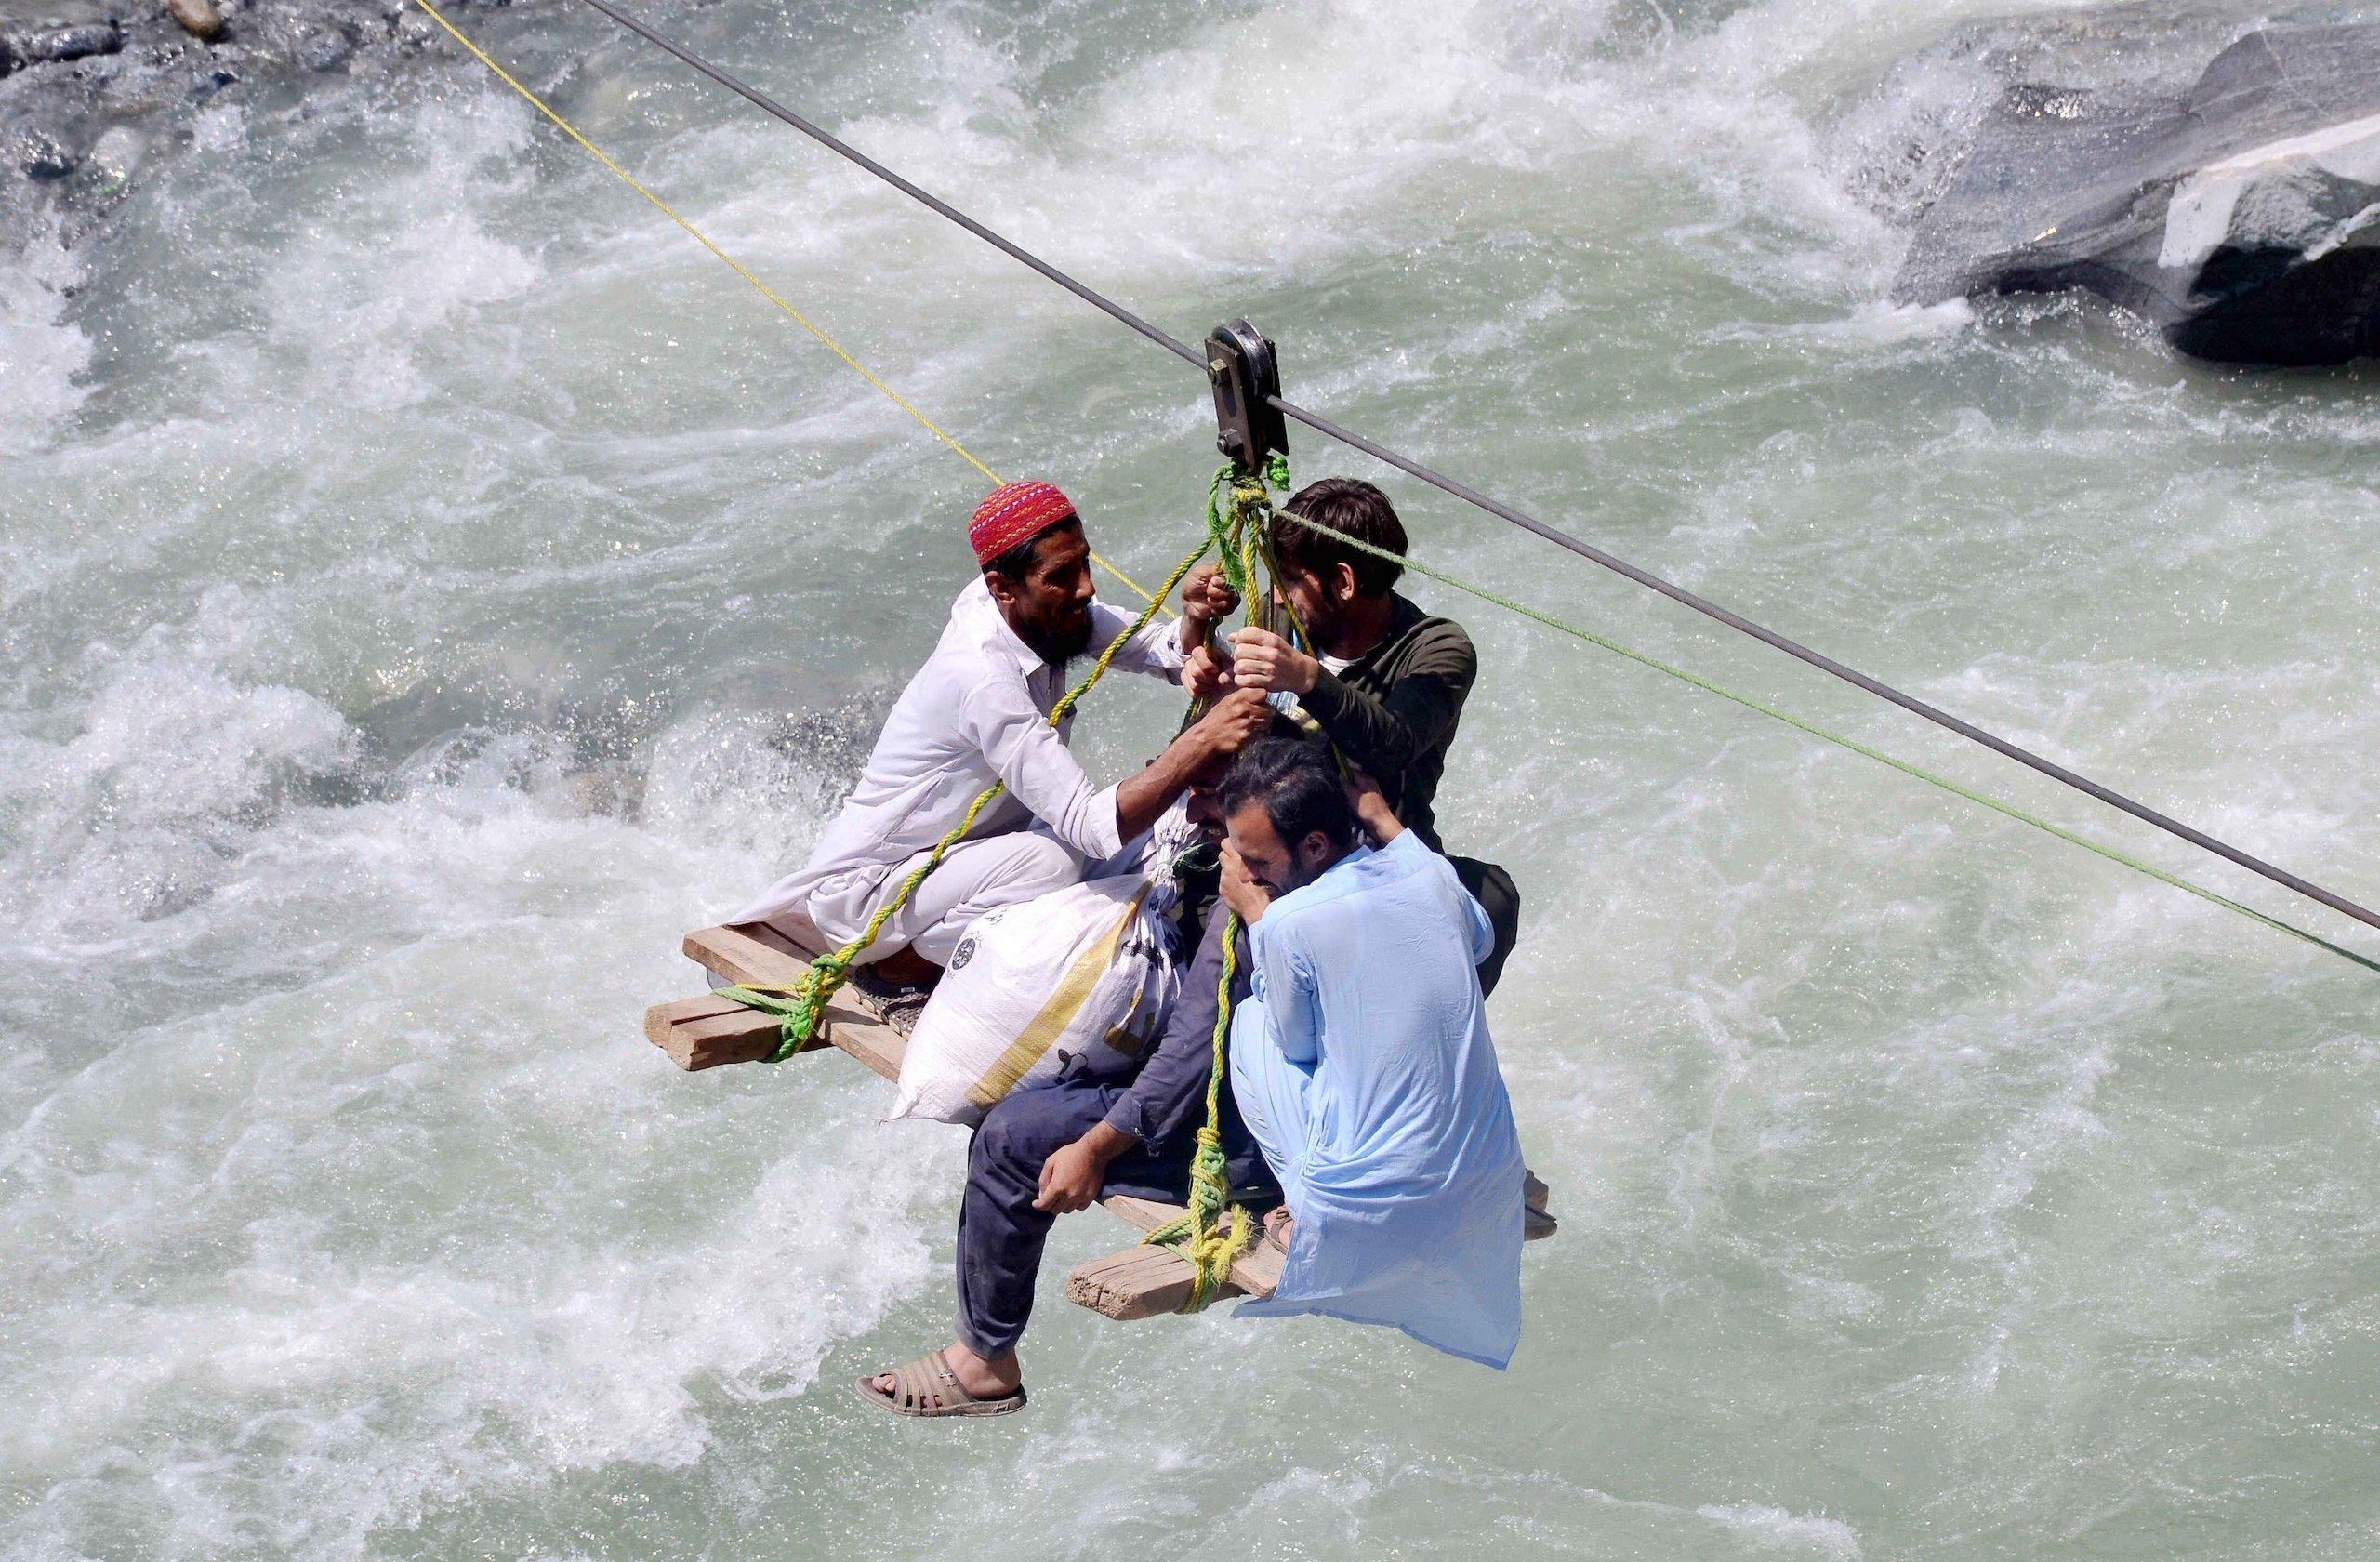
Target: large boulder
{"type": "Point", "coordinates": [2240, 213]}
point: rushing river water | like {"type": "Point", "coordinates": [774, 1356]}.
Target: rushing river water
{"type": "Point", "coordinates": [428, 584]}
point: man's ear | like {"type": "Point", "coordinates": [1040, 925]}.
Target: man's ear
{"type": "Point", "coordinates": [1343, 582]}
{"type": "Point", "coordinates": [1315, 850]}
{"type": "Point", "coordinates": [1004, 590]}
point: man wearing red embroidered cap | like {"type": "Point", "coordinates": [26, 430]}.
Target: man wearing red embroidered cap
{"type": "Point", "coordinates": [978, 712]}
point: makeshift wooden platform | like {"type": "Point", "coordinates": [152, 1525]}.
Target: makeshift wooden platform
{"type": "Point", "coordinates": [706, 1032]}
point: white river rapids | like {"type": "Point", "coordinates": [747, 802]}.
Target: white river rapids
{"type": "Point", "coordinates": [429, 584]}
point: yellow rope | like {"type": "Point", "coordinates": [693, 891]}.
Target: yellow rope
{"type": "Point", "coordinates": [741, 270]}
{"type": "Point", "coordinates": [1200, 1234]}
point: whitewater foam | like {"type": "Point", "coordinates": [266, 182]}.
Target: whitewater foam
{"type": "Point", "coordinates": [417, 617]}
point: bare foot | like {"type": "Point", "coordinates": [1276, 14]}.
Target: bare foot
{"type": "Point", "coordinates": [1278, 1224]}
{"type": "Point", "coordinates": [995, 1379]}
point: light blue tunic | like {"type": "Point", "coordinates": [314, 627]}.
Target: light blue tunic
{"type": "Point", "coordinates": [1363, 1066]}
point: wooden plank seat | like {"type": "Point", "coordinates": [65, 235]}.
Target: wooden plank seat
{"type": "Point", "coordinates": [706, 1032]}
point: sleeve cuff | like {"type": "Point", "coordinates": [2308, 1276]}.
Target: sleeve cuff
{"type": "Point", "coordinates": [1328, 698]}
{"type": "Point", "coordinates": [1103, 831]}
{"type": "Point", "coordinates": [1125, 1118]}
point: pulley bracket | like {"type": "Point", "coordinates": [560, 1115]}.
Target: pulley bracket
{"type": "Point", "coordinates": [1246, 373]}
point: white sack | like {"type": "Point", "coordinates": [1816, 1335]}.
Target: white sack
{"type": "Point", "coordinates": [1091, 969]}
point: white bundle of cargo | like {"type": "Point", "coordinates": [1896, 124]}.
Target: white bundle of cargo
{"type": "Point", "coordinates": [1089, 971]}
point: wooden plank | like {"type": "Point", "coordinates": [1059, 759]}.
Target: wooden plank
{"type": "Point", "coordinates": [1142, 1281]}
{"type": "Point", "coordinates": [757, 955]}
{"type": "Point", "coordinates": [1254, 1273]}
{"type": "Point", "coordinates": [1133, 1284]}
{"type": "Point", "coordinates": [1137, 1283]}
{"type": "Point", "coordinates": [706, 1032]}
{"type": "Point", "coordinates": [869, 1039]}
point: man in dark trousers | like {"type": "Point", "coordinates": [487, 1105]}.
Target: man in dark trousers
{"type": "Point", "coordinates": [1388, 685]}
{"type": "Point", "coordinates": [1059, 1146]}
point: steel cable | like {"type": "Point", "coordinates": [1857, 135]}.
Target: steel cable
{"type": "Point", "coordinates": [1584, 549]}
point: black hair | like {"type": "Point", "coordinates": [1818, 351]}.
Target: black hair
{"type": "Point", "coordinates": [1017, 563]}
{"type": "Point", "coordinates": [1293, 782]}
{"type": "Point", "coordinates": [1344, 504]}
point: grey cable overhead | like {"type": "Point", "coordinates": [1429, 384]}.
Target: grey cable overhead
{"type": "Point", "coordinates": [1824, 663]}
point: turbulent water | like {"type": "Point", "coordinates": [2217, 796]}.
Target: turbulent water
{"type": "Point", "coordinates": [429, 583]}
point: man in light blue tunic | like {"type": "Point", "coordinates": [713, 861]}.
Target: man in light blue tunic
{"type": "Point", "coordinates": [1363, 1066]}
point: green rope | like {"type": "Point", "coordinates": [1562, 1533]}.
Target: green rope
{"type": "Point", "coordinates": [1812, 728]}
{"type": "Point", "coordinates": [1228, 518]}
{"type": "Point", "coordinates": [800, 1007]}
{"type": "Point", "coordinates": [1209, 1234]}
{"type": "Point", "coordinates": [1198, 1234]}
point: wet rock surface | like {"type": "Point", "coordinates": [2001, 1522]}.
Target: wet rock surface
{"type": "Point", "coordinates": [91, 94]}
{"type": "Point", "coordinates": [2236, 206]}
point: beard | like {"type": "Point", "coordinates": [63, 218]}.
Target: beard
{"type": "Point", "coordinates": [1057, 643]}
{"type": "Point", "coordinates": [1323, 624]}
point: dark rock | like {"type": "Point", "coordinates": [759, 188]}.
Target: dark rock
{"type": "Point", "coordinates": [40, 153]}
{"type": "Point", "coordinates": [2241, 214]}
{"type": "Point", "coordinates": [58, 45]}
{"type": "Point", "coordinates": [322, 46]}
{"type": "Point", "coordinates": [284, 56]}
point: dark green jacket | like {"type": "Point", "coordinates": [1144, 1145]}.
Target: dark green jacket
{"type": "Point", "coordinates": [1395, 710]}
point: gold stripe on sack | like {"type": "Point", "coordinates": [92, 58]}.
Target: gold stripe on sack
{"type": "Point", "coordinates": [1042, 1032]}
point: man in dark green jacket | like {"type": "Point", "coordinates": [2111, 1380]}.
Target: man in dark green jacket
{"type": "Point", "coordinates": [1388, 686]}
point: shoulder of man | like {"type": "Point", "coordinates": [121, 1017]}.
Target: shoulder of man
{"type": "Point", "coordinates": [1426, 636]}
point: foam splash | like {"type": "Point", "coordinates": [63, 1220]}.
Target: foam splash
{"type": "Point", "coordinates": [42, 354]}
{"type": "Point", "coordinates": [408, 633]}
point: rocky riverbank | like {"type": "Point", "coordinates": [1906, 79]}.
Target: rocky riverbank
{"type": "Point", "coordinates": [89, 95]}
{"type": "Point", "coordinates": [2218, 177]}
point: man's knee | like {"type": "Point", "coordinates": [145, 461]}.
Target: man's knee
{"type": "Point", "coordinates": [1023, 1129]}
{"type": "Point", "coordinates": [1042, 863]}
{"type": "Point", "coordinates": [1003, 1145]}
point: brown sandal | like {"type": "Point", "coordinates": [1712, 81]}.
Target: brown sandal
{"type": "Point", "coordinates": [928, 1387]}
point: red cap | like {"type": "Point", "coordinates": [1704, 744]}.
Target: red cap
{"type": "Point", "coordinates": [1013, 512]}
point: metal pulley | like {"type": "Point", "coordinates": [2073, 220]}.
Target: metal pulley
{"type": "Point", "coordinates": [1246, 373]}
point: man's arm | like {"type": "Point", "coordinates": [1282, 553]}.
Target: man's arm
{"type": "Point", "coordinates": [1158, 650]}
{"type": "Point", "coordinates": [1161, 649]}
{"type": "Point", "coordinates": [1073, 1175]}
{"type": "Point", "coordinates": [1286, 979]}
{"type": "Point", "coordinates": [1380, 735]}
{"type": "Point", "coordinates": [1386, 829]}
{"type": "Point", "coordinates": [1026, 752]}
{"type": "Point", "coordinates": [1235, 720]}
{"type": "Point", "coordinates": [1207, 599]}
{"type": "Point", "coordinates": [1372, 812]}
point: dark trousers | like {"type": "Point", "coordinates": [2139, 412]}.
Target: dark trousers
{"type": "Point", "coordinates": [1001, 1235]}
{"type": "Point", "coordinates": [1500, 898]}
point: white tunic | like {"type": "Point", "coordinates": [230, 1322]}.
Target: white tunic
{"type": "Point", "coordinates": [977, 712]}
